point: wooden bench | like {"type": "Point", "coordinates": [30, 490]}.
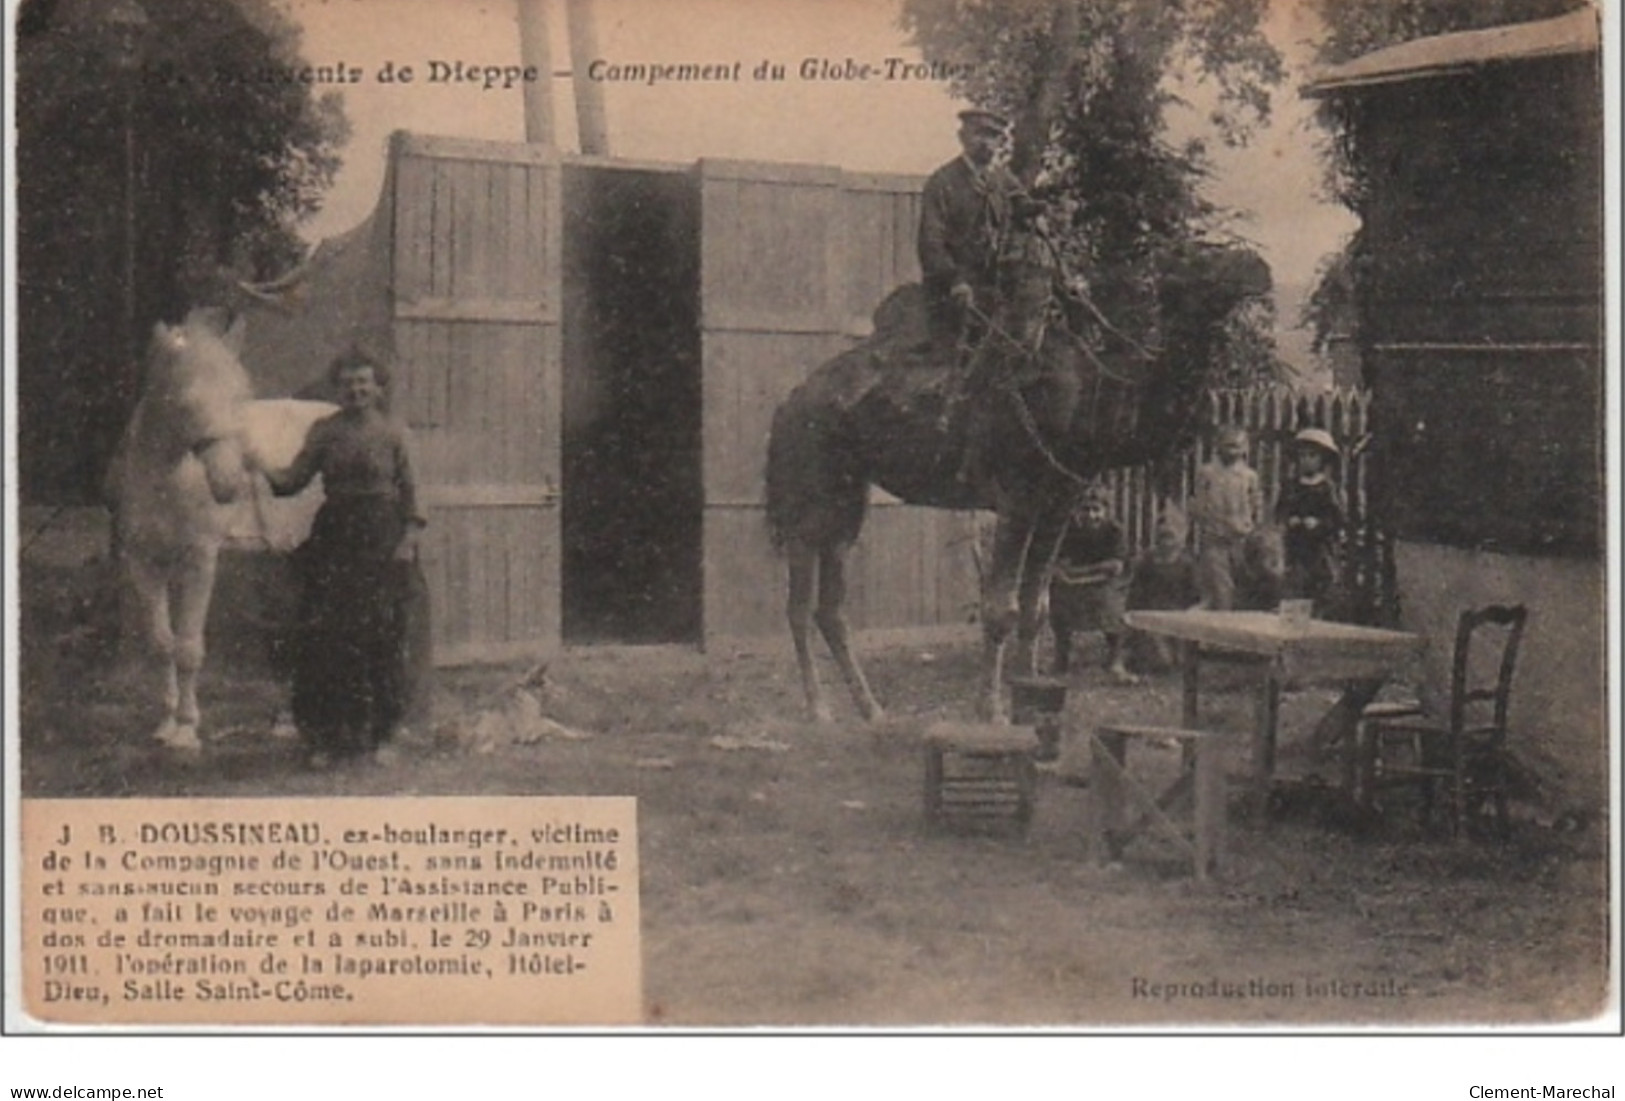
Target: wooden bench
{"type": "Point", "coordinates": [1200, 786]}
{"type": "Point", "coordinates": [980, 776]}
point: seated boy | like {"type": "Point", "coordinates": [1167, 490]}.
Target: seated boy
{"type": "Point", "coordinates": [1164, 581]}
{"type": "Point", "coordinates": [1088, 584]}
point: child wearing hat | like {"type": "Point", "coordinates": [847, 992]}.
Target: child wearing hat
{"type": "Point", "coordinates": [1228, 504]}
{"type": "Point", "coordinates": [1310, 512]}
{"type": "Point", "coordinates": [1089, 583]}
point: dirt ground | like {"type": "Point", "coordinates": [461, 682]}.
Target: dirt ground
{"type": "Point", "coordinates": [790, 878]}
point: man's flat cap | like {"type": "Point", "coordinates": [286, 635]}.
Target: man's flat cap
{"type": "Point", "coordinates": [980, 116]}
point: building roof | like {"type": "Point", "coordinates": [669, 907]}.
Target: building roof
{"type": "Point", "coordinates": [1575, 33]}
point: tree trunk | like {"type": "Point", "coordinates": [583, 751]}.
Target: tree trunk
{"type": "Point", "coordinates": [1032, 128]}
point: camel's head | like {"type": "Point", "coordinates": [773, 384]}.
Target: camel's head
{"type": "Point", "coordinates": [1199, 288]}
{"type": "Point", "coordinates": [1202, 284]}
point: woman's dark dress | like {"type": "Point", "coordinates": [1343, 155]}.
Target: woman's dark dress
{"type": "Point", "coordinates": [351, 686]}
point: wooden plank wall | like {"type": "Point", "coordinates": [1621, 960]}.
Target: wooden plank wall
{"type": "Point", "coordinates": [475, 290]}
{"type": "Point", "coordinates": [794, 261]}
{"type": "Point", "coordinates": [913, 566]}
{"type": "Point", "coordinates": [1482, 304]}
{"type": "Point", "coordinates": [767, 315]}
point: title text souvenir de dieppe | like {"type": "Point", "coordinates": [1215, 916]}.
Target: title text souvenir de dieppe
{"type": "Point", "coordinates": [505, 76]}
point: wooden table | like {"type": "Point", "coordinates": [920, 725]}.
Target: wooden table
{"type": "Point", "coordinates": [1316, 650]}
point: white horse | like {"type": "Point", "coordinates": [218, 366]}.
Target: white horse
{"type": "Point", "coordinates": [180, 483]}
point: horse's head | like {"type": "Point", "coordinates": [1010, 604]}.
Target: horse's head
{"type": "Point", "coordinates": [196, 390]}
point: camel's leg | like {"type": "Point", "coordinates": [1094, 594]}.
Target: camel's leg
{"type": "Point", "coordinates": [832, 622]}
{"type": "Point", "coordinates": [194, 586]}
{"type": "Point", "coordinates": [1036, 565]}
{"type": "Point", "coordinates": [799, 611]}
{"type": "Point", "coordinates": [1000, 612]}
{"type": "Point", "coordinates": [150, 584]}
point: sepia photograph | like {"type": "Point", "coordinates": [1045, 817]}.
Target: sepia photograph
{"type": "Point", "coordinates": [1076, 516]}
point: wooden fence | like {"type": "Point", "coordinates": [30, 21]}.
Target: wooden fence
{"type": "Point", "coordinates": [1272, 417]}
{"type": "Point", "coordinates": [794, 258]}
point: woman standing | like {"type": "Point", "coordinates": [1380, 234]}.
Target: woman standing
{"type": "Point", "coordinates": [350, 685]}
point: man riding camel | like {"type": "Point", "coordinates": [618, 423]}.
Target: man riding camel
{"type": "Point", "coordinates": [965, 212]}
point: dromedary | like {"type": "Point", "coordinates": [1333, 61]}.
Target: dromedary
{"type": "Point", "coordinates": [1055, 411]}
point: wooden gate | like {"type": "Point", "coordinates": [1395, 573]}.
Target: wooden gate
{"type": "Point", "coordinates": [475, 290]}
{"type": "Point", "coordinates": [794, 259]}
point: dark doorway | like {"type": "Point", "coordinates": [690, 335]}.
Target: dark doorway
{"type": "Point", "coordinates": [631, 465]}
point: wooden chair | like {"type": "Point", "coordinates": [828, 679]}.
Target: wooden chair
{"type": "Point", "coordinates": [1465, 753]}
{"type": "Point", "coordinates": [1200, 785]}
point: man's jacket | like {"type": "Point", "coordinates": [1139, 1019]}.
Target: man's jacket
{"type": "Point", "coordinates": [963, 217]}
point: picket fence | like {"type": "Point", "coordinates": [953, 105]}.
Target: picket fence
{"type": "Point", "coordinates": [1272, 417]}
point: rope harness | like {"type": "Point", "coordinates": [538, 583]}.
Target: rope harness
{"type": "Point", "coordinates": [1024, 413]}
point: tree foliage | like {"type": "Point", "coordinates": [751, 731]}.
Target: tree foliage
{"type": "Point", "coordinates": [1329, 311]}
{"type": "Point", "coordinates": [1354, 28]}
{"type": "Point", "coordinates": [187, 139]}
{"type": "Point", "coordinates": [224, 124]}
{"type": "Point", "coordinates": [1119, 192]}
{"type": "Point", "coordinates": [1357, 27]}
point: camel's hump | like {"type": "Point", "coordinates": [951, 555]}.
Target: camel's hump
{"type": "Point", "coordinates": [900, 317]}
{"type": "Point", "coordinates": [894, 360]}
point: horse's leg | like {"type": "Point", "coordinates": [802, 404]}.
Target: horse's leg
{"type": "Point", "coordinates": [149, 582]}
{"type": "Point", "coordinates": [799, 611]}
{"type": "Point", "coordinates": [1036, 566]}
{"type": "Point", "coordinates": [194, 586]}
{"type": "Point", "coordinates": [832, 622]}
{"type": "Point", "coordinates": [1000, 611]}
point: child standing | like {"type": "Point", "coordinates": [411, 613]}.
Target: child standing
{"type": "Point", "coordinates": [1228, 505]}
{"type": "Point", "coordinates": [1088, 584]}
{"type": "Point", "coordinates": [350, 683]}
{"type": "Point", "coordinates": [1164, 580]}
{"type": "Point", "coordinates": [1310, 512]}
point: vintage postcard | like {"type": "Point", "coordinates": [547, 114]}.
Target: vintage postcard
{"type": "Point", "coordinates": [1088, 515]}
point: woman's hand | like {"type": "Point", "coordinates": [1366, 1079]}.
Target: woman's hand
{"type": "Point", "coordinates": [407, 549]}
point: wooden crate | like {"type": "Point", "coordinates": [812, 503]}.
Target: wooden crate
{"type": "Point", "coordinates": [980, 777]}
